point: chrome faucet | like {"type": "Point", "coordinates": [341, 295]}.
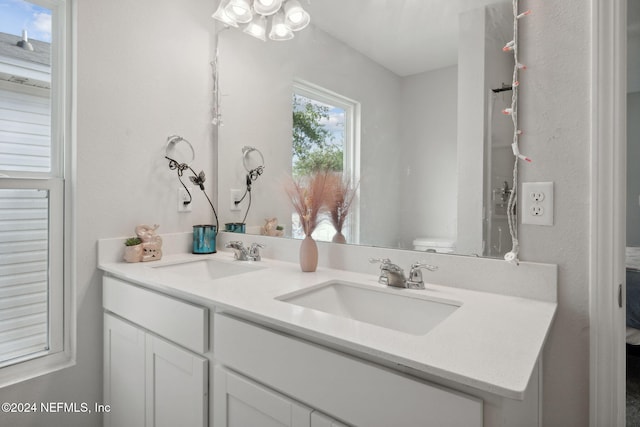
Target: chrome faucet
{"type": "Point", "coordinates": [254, 251]}
{"type": "Point", "coordinates": [243, 254]}
{"type": "Point", "coordinates": [392, 275]}
{"type": "Point", "coordinates": [415, 275]}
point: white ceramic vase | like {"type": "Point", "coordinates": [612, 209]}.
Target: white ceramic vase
{"type": "Point", "coordinates": [339, 238]}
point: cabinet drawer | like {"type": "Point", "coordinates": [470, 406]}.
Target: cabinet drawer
{"type": "Point", "coordinates": [353, 390]}
{"type": "Point", "coordinates": [178, 321]}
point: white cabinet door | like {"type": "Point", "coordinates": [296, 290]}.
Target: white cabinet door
{"type": "Point", "coordinates": [177, 386]}
{"type": "Point", "coordinates": [321, 420]}
{"type": "Point", "coordinates": [240, 402]}
{"type": "Point", "coordinates": [150, 382]}
{"type": "Point", "coordinates": [124, 376]}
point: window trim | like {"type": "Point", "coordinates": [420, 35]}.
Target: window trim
{"type": "Point", "coordinates": [351, 161]}
{"type": "Point", "coordinates": [62, 313]}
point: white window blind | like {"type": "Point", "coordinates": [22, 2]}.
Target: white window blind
{"type": "Point", "coordinates": [24, 258]}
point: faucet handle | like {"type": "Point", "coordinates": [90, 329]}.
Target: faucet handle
{"type": "Point", "coordinates": [384, 275]}
{"type": "Point", "coordinates": [418, 265]}
{"type": "Point", "coordinates": [387, 265]}
{"type": "Point", "coordinates": [382, 261]}
{"type": "Point", "coordinates": [390, 274]}
{"type": "Point", "coordinates": [415, 274]}
{"type": "Point", "coordinates": [239, 251]}
{"type": "Point", "coordinates": [254, 251]}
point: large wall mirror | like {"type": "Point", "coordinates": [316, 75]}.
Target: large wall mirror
{"type": "Point", "coordinates": [423, 85]}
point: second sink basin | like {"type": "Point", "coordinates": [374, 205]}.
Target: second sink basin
{"type": "Point", "coordinates": [388, 308]}
{"type": "Point", "coordinates": [208, 269]}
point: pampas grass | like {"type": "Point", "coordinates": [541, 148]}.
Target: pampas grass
{"type": "Point", "coordinates": [307, 195]}
{"type": "Point", "coordinates": [339, 196]}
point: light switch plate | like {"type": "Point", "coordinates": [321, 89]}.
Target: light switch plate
{"type": "Point", "coordinates": [235, 196]}
{"type": "Point", "coordinates": [183, 196]}
{"type": "Point", "coordinates": [537, 203]}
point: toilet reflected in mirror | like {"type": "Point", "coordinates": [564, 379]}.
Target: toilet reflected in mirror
{"type": "Point", "coordinates": [434, 244]}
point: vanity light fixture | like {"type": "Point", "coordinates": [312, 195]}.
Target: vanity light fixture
{"type": "Point", "coordinates": [279, 30]}
{"type": "Point", "coordinates": [257, 28]}
{"type": "Point", "coordinates": [222, 16]}
{"type": "Point", "coordinates": [267, 7]}
{"type": "Point", "coordinates": [285, 17]}
{"type": "Point", "coordinates": [295, 17]}
{"type": "Point", "coordinates": [239, 11]}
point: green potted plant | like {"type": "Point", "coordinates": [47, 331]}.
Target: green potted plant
{"type": "Point", "coordinates": [133, 249]}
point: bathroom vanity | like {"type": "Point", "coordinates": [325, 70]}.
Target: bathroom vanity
{"type": "Point", "coordinates": [211, 341]}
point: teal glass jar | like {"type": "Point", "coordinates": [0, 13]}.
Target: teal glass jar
{"type": "Point", "coordinates": [235, 227]}
{"type": "Point", "coordinates": [204, 239]}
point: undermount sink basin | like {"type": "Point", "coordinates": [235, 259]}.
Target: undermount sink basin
{"type": "Point", "coordinates": [388, 308]}
{"type": "Point", "coordinates": [208, 269]}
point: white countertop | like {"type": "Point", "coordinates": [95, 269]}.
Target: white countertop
{"type": "Point", "coordinates": [492, 342]}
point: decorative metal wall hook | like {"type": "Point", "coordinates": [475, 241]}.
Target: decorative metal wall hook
{"type": "Point", "coordinates": [252, 160]}
{"type": "Point", "coordinates": [180, 154]}
{"type": "Point", "coordinates": [254, 165]}
{"type": "Point", "coordinates": [174, 165]}
{"type": "Point", "coordinates": [179, 151]}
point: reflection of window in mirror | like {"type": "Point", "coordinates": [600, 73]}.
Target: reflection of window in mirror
{"type": "Point", "coordinates": [325, 138]}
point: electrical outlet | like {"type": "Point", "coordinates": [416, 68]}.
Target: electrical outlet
{"type": "Point", "coordinates": [236, 195]}
{"type": "Point", "coordinates": [537, 203]}
{"type": "Point", "coordinates": [537, 210]}
{"type": "Point", "coordinates": [537, 196]}
{"type": "Point", "coordinates": [183, 197]}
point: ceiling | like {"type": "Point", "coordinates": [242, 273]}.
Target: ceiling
{"type": "Point", "coordinates": [405, 36]}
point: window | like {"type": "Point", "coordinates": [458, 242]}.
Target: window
{"type": "Point", "coordinates": [325, 136]}
{"type": "Point", "coordinates": [33, 125]}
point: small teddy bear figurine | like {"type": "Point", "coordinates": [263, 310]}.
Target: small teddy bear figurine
{"type": "Point", "coordinates": [270, 228]}
{"type": "Point", "coordinates": [151, 242]}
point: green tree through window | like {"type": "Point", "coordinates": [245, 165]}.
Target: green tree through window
{"type": "Point", "coordinates": [318, 136]}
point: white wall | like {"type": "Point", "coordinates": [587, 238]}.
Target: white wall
{"type": "Point", "coordinates": [142, 74]}
{"type": "Point", "coordinates": [428, 130]}
{"type": "Point", "coordinates": [554, 115]}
